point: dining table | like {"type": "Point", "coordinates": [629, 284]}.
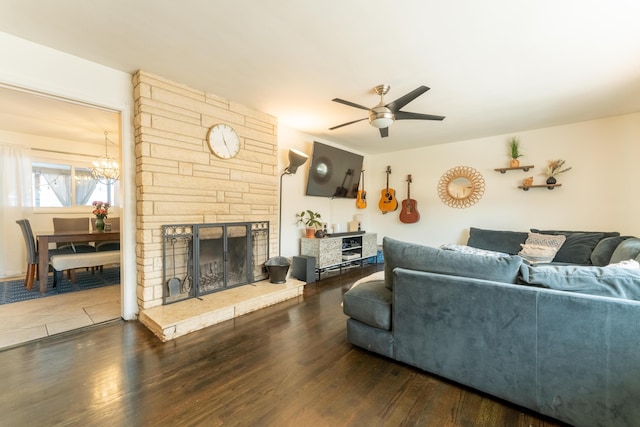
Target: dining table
{"type": "Point", "coordinates": [44, 239]}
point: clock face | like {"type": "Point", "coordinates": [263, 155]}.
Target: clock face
{"type": "Point", "coordinates": [223, 141]}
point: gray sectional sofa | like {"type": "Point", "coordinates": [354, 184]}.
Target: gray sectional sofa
{"type": "Point", "coordinates": [571, 353]}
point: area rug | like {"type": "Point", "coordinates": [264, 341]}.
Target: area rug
{"type": "Point", "coordinates": [14, 290]}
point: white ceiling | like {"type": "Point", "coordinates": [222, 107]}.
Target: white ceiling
{"type": "Point", "coordinates": [494, 66]}
{"type": "Point", "coordinates": [37, 114]}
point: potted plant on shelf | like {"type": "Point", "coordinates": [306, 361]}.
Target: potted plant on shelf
{"type": "Point", "coordinates": [514, 152]}
{"type": "Point", "coordinates": [554, 168]}
{"type": "Point", "coordinates": [311, 220]}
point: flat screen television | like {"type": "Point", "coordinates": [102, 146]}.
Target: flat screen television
{"type": "Point", "coordinates": [333, 172]}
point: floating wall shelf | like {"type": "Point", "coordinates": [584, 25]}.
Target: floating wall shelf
{"type": "Point", "coordinates": [549, 186]}
{"type": "Point", "coordinates": [504, 170]}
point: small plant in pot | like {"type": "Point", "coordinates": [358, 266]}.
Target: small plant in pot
{"type": "Point", "coordinates": [514, 152]}
{"type": "Point", "coordinates": [311, 220]}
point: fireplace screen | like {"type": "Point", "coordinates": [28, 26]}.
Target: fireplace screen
{"type": "Point", "coordinates": [201, 259]}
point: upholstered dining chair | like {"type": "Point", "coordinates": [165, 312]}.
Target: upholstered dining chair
{"type": "Point", "coordinates": [32, 253]}
{"type": "Point", "coordinates": [112, 245]}
{"type": "Point", "coordinates": [73, 224]}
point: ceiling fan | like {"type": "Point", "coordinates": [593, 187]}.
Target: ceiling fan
{"type": "Point", "coordinates": [383, 115]}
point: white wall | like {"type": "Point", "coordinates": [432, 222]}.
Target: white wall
{"type": "Point", "coordinates": [41, 69]}
{"type": "Point", "coordinates": [293, 192]}
{"type": "Point", "coordinates": [599, 193]}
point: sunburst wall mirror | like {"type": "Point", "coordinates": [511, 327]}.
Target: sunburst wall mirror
{"type": "Point", "coordinates": [461, 187]}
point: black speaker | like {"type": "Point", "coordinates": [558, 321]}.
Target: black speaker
{"type": "Point", "coordinates": [304, 268]}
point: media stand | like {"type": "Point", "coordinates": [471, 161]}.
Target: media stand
{"type": "Point", "coordinates": [338, 252]}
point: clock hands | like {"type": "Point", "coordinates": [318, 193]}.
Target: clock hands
{"type": "Point", "coordinates": [225, 144]}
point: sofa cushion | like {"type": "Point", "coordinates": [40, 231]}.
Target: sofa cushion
{"type": "Point", "coordinates": [628, 249]}
{"type": "Point", "coordinates": [603, 251]}
{"type": "Point", "coordinates": [413, 256]}
{"type": "Point", "coordinates": [369, 303]}
{"type": "Point", "coordinates": [606, 281]}
{"type": "Point", "coordinates": [579, 245]}
{"type": "Point", "coordinates": [497, 240]}
{"type": "Point", "coordinates": [606, 233]}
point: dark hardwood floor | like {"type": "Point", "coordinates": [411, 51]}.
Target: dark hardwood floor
{"type": "Point", "coordinates": [286, 365]}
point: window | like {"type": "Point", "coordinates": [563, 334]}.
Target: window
{"type": "Point", "coordinates": [59, 185]}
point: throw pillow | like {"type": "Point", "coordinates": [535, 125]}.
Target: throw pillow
{"type": "Point", "coordinates": [541, 247]}
{"type": "Point", "coordinates": [535, 254]}
{"type": "Point", "coordinates": [496, 240]}
{"type": "Point", "coordinates": [629, 249]}
{"type": "Point", "coordinates": [629, 263]}
{"type": "Point", "coordinates": [603, 251]}
{"type": "Point", "coordinates": [471, 250]}
{"type": "Point", "coordinates": [579, 245]}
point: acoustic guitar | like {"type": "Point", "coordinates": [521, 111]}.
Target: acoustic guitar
{"type": "Point", "coordinates": [361, 200]}
{"type": "Point", "coordinates": [388, 201]}
{"type": "Point", "coordinates": [409, 213]}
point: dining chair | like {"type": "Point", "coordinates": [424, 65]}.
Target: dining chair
{"type": "Point", "coordinates": [111, 245]}
{"type": "Point", "coordinates": [73, 224]}
{"type": "Point", "coordinates": [32, 253]}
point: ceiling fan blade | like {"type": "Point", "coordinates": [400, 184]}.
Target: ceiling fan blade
{"type": "Point", "coordinates": [404, 100]}
{"type": "Point", "coordinates": [348, 123]}
{"type": "Point", "coordinates": [405, 115]}
{"type": "Point", "coordinates": [349, 103]}
{"type": "Point", "coordinates": [384, 132]}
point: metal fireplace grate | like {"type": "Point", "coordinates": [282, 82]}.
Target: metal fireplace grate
{"type": "Point", "coordinates": [200, 259]}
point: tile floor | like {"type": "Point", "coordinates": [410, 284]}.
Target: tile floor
{"type": "Point", "coordinates": [30, 320]}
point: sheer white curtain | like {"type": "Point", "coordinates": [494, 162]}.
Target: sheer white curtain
{"type": "Point", "coordinates": [15, 198]}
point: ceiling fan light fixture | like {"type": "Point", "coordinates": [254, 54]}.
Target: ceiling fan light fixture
{"type": "Point", "coordinates": [381, 117]}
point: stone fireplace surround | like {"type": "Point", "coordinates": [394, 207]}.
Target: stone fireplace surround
{"type": "Point", "coordinates": [178, 180]}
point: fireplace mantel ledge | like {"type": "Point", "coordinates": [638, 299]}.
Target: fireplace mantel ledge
{"type": "Point", "coordinates": [174, 320]}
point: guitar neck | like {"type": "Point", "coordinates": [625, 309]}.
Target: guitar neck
{"type": "Point", "coordinates": [388, 173]}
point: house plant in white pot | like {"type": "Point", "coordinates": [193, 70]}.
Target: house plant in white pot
{"type": "Point", "coordinates": [311, 220]}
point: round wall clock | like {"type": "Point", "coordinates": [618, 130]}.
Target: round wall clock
{"type": "Point", "coordinates": [223, 141]}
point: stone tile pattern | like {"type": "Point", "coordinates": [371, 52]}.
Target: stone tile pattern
{"type": "Point", "coordinates": [179, 180]}
{"type": "Point", "coordinates": [174, 320]}
{"type": "Point", "coordinates": [30, 320]}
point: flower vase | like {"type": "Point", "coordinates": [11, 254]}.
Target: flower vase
{"type": "Point", "coordinates": [100, 224]}
{"type": "Point", "coordinates": [551, 180]}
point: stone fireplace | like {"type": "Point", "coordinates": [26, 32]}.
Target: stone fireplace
{"type": "Point", "coordinates": [180, 181]}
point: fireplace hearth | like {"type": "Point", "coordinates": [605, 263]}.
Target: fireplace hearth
{"type": "Point", "coordinates": [200, 259]}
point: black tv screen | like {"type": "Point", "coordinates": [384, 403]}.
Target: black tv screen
{"type": "Point", "coordinates": [333, 172]}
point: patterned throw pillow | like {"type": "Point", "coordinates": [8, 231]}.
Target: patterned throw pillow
{"type": "Point", "coordinates": [471, 250]}
{"type": "Point", "coordinates": [541, 247]}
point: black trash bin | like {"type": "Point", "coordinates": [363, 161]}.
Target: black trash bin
{"type": "Point", "coordinates": [277, 267]}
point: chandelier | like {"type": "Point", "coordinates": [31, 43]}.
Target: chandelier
{"type": "Point", "coordinates": [105, 169]}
